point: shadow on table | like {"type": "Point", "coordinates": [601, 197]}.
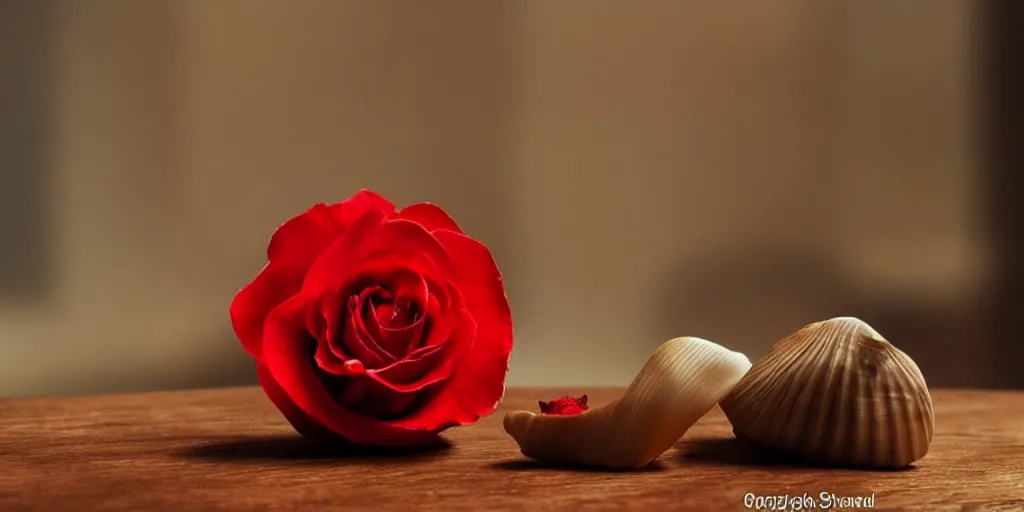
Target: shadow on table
{"type": "Point", "coordinates": [291, 448]}
{"type": "Point", "coordinates": [736, 452]}
{"type": "Point", "coordinates": [532, 465]}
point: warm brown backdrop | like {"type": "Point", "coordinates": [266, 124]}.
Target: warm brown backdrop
{"type": "Point", "coordinates": [641, 170]}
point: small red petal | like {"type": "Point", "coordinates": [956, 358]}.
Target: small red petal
{"type": "Point", "coordinates": [354, 367]}
{"type": "Point", "coordinates": [564, 406]}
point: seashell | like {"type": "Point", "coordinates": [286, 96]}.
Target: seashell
{"type": "Point", "coordinates": [835, 392]}
{"type": "Point", "coordinates": [681, 382]}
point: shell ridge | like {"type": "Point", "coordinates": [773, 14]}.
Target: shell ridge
{"type": "Point", "coordinates": [774, 383]}
{"type": "Point", "coordinates": [805, 388]}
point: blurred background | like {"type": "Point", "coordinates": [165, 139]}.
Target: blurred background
{"type": "Point", "coordinates": [640, 170]}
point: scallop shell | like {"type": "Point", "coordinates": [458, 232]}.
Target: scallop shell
{"type": "Point", "coordinates": [835, 392]}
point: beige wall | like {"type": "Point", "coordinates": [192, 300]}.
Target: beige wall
{"type": "Point", "coordinates": [640, 170]}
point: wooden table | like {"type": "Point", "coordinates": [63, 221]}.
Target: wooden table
{"type": "Point", "coordinates": [228, 449]}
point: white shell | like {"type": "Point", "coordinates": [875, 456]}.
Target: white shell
{"type": "Point", "coordinates": [681, 382]}
{"type": "Point", "coordinates": [835, 392]}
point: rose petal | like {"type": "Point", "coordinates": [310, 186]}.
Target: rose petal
{"type": "Point", "coordinates": [336, 260]}
{"type": "Point", "coordinates": [411, 374]}
{"type": "Point", "coordinates": [304, 236]}
{"type": "Point", "coordinates": [356, 341]}
{"type": "Point", "coordinates": [367, 397]}
{"type": "Point", "coordinates": [335, 321]}
{"type": "Point", "coordinates": [444, 301]}
{"type": "Point", "coordinates": [358, 319]}
{"type": "Point", "coordinates": [478, 384]}
{"type": "Point", "coordinates": [353, 390]}
{"type": "Point", "coordinates": [441, 291]}
{"type": "Point", "coordinates": [338, 264]}
{"type": "Point", "coordinates": [322, 330]}
{"type": "Point", "coordinates": [382, 262]}
{"type": "Point", "coordinates": [300, 421]}
{"type": "Point", "coordinates": [416, 339]}
{"type": "Point", "coordinates": [406, 287]}
{"type": "Point", "coordinates": [351, 209]}
{"type": "Point", "coordinates": [288, 363]}
{"type": "Point", "coordinates": [273, 285]}
{"type": "Point", "coordinates": [394, 341]}
{"type": "Point", "coordinates": [408, 235]}
{"type": "Point", "coordinates": [410, 298]}
{"type": "Point", "coordinates": [330, 362]}
{"type": "Point", "coordinates": [301, 238]}
{"type": "Point", "coordinates": [428, 215]}
{"type": "Point", "coordinates": [316, 324]}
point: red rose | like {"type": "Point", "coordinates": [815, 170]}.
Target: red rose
{"type": "Point", "coordinates": [382, 327]}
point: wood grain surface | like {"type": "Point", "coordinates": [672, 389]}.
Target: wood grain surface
{"type": "Point", "coordinates": [228, 449]}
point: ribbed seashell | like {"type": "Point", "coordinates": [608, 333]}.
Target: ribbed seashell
{"type": "Point", "coordinates": [835, 392]}
{"type": "Point", "coordinates": [679, 384]}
